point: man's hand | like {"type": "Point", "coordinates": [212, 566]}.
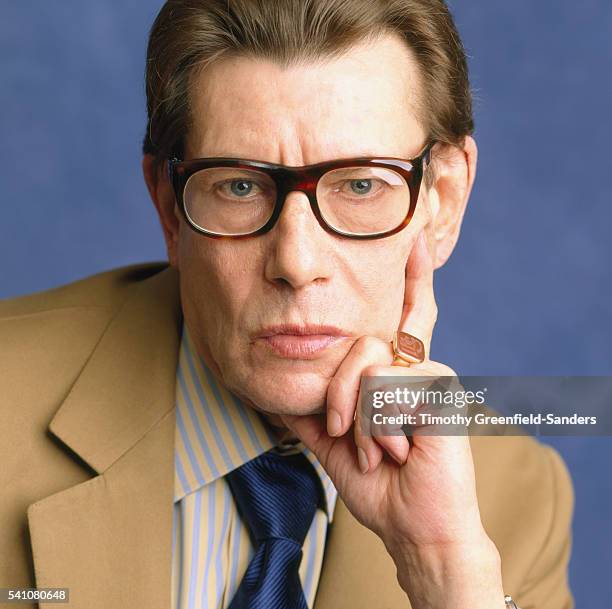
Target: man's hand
{"type": "Point", "coordinates": [419, 498]}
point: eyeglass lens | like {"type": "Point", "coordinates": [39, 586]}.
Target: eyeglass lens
{"type": "Point", "coordinates": [356, 200]}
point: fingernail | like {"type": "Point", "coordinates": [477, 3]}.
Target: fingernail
{"type": "Point", "coordinates": [334, 423]}
{"type": "Point", "coordinates": [363, 460]}
{"type": "Point", "coordinates": [396, 456]}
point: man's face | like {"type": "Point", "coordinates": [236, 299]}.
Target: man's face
{"type": "Point", "coordinates": [236, 293]}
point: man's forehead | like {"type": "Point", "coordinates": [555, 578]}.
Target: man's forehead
{"type": "Point", "coordinates": [363, 103]}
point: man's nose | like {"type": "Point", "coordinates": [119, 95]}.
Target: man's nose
{"type": "Point", "coordinates": [299, 246]}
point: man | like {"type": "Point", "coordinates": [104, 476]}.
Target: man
{"type": "Point", "coordinates": [310, 162]}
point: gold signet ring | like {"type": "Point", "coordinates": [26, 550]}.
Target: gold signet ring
{"type": "Point", "coordinates": [408, 349]}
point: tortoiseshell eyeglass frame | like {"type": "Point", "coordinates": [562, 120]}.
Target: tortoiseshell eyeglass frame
{"type": "Point", "coordinates": [301, 179]}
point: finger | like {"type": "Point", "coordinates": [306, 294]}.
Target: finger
{"type": "Point", "coordinates": [369, 452]}
{"type": "Point", "coordinates": [374, 447]}
{"type": "Point", "coordinates": [337, 455]}
{"type": "Point", "coordinates": [420, 311]}
{"type": "Point", "coordinates": [372, 438]}
{"type": "Point", "coordinates": [343, 388]}
{"type": "Point", "coordinates": [432, 436]}
{"type": "Point", "coordinates": [390, 436]}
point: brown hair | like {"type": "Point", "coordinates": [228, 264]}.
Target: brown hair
{"type": "Point", "coordinates": [190, 33]}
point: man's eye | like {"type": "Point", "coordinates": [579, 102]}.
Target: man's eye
{"type": "Point", "coordinates": [239, 188]}
{"type": "Point", "coordinates": [361, 187]}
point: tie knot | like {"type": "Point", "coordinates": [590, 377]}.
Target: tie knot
{"type": "Point", "coordinates": [277, 495]}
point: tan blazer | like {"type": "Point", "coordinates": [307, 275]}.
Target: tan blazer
{"type": "Point", "coordinates": [87, 380]}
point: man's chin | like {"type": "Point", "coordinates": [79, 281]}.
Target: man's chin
{"type": "Point", "coordinates": [291, 393]}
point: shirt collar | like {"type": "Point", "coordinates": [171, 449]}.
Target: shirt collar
{"type": "Point", "coordinates": [216, 432]}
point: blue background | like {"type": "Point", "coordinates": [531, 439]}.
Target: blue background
{"type": "Point", "coordinates": [528, 288]}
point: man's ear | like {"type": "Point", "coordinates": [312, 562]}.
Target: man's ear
{"type": "Point", "coordinates": [162, 195]}
{"type": "Point", "coordinates": [455, 173]}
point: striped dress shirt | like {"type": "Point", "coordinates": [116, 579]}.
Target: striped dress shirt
{"type": "Point", "coordinates": [211, 546]}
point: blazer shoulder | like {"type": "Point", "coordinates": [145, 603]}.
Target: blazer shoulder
{"type": "Point", "coordinates": [106, 290]}
{"type": "Point", "coordinates": [47, 337]}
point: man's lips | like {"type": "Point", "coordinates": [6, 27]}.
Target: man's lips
{"type": "Point", "coordinates": [299, 341]}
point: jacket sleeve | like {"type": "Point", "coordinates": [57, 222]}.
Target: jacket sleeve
{"type": "Point", "coordinates": [547, 586]}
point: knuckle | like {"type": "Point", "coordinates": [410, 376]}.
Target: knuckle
{"type": "Point", "coordinates": [366, 344]}
{"type": "Point", "coordinates": [447, 370]}
{"type": "Point", "coordinates": [373, 349]}
{"type": "Point", "coordinates": [441, 369]}
{"type": "Point", "coordinates": [375, 370]}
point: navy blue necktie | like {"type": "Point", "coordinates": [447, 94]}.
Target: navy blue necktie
{"type": "Point", "coordinates": [277, 496]}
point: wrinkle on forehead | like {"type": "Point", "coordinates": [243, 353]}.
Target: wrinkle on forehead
{"type": "Point", "coordinates": [363, 103]}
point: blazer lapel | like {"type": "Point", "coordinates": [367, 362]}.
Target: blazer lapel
{"type": "Point", "coordinates": [109, 539]}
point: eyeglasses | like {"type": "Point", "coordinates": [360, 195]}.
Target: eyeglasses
{"type": "Point", "coordinates": [361, 198]}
